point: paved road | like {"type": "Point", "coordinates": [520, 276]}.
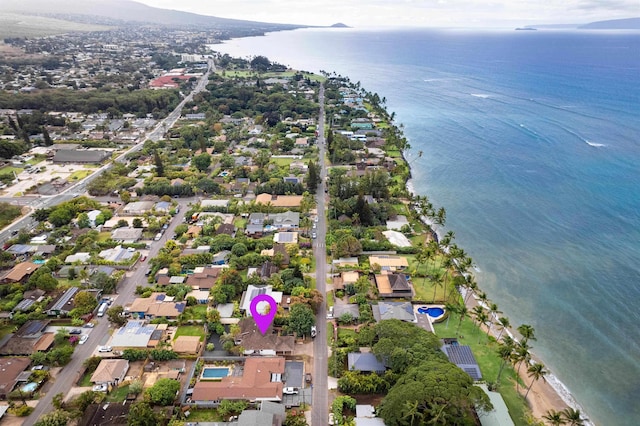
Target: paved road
{"type": "Point", "coordinates": [319, 410]}
{"type": "Point", "coordinates": [81, 187]}
{"type": "Point", "coordinates": [69, 375]}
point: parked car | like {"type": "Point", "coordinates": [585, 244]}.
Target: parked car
{"type": "Point", "coordinates": [75, 331]}
{"type": "Point", "coordinates": [105, 349]}
{"type": "Point", "coordinates": [143, 258]}
{"type": "Point", "coordinates": [100, 388]}
{"type": "Point", "coordinates": [89, 325]}
{"type": "Point", "coordinates": [314, 235]}
{"type": "Point", "coordinates": [331, 419]}
{"type": "Point", "coordinates": [314, 331]}
{"type": "Point", "coordinates": [83, 339]}
{"type": "Point", "coordinates": [290, 391]}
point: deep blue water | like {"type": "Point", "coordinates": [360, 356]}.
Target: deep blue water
{"type": "Point", "coordinates": [531, 142]}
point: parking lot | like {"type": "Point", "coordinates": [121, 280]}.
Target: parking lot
{"type": "Point", "coordinates": [60, 173]}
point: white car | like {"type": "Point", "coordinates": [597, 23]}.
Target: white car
{"type": "Point", "coordinates": [314, 331]}
{"type": "Point", "coordinates": [105, 349]}
{"type": "Point", "coordinates": [83, 339]}
{"type": "Point", "coordinates": [100, 388]}
{"type": "Point", "coordinates": [290, 391]}
{"type": "Point", "coordinates": [331, 419]}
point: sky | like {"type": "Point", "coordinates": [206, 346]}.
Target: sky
{"type": "Point", "coordinates": [411, 13]}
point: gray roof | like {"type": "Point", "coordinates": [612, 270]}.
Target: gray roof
{"type": "Point", "coordinates": [286, 219]}
{"type": "Point", "coordinates": [393, 310]}
{"type": "Point", "coordinates": [364, 362]}
{"type": "Point", "coordinates": [80, 156]}
{"type": "Point", "coordinates": [462, 356]}
{"type": "Point", "coordinates": [127, 234]}
{"type": "Point", "coordinates": [133, 334]}
{"type": "Point", "coordinates": [340, 309]}
{"type": "Point", "coordinates": [64, 300]}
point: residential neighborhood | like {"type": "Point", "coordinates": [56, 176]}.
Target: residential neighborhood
{"type": "Point", "coordinates": [150, 225]}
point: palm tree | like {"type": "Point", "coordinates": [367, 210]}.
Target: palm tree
{"type": "Point", "coordinates": [504, 323]}
{"type": "Point", "coordinates": [527, 331]}
{"type": "Point", "coordinates": [554, 418]}
{"type": "Point", "coordinates": [471, 286]}
{"type": "Point", "coordinates": [573, 417]}
{"type": "Point", "coordinates": [452, 308]}
{"type": "Point", "coordinates": [520, 355]}
{"type": "Point", "coordinates": [413, 412]}
{"type": "Point", "coordinates": [448, 263]}
{"type": "Point", "coordinates": [504, 352]}
{"type": "Point", "coordinates": [536, 371]}
{"type": "Point", "coordinates": [436, 283]}
{"type": "Point", "coordinates": [463, 311]}
{"type": "Point", "coordinates": [493, 310]}
{"type": "Point", "coordinates": [482, 296]}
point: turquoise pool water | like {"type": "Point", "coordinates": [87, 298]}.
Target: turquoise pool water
{"type": "Point", "coordinates": [29, 387]}
{"type": "Point", "coordinates": [215, 372]}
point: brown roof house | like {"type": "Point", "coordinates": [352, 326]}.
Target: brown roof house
{"type": "Point", "coordinates": [389, 262]}
{"type": "Point", "coordinates": [393, 285]}
{"type": "Point", "coordinates": [110, 372]}
{"type": "Point", "coordinates": [203, 278]}
{"type": "Point", "coordinates": [10, 369]}
{"type": "Point", "coordinates": [254, 342]}
{"type": "Point", "coordinates": [279, 200]}
{"type": "Point", "coordinates": [187, 344]}
{"type": "Point", "coordinates": [260, 380]}
{"type": "Point", "coordinates": [156, 306]}
{"type": "Point", "coordinates": [20, 272]}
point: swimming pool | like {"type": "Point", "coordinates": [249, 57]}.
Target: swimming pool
{"type": "Point", "coordinates": [434, 312]}
{"type": "Point", "coordinates": [213, 373]}
{"type": "Point", "coordinates": [29, 387]}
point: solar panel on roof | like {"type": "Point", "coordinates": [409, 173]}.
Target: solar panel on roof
{"type": "Point", "coordinates": [160, 297]}
{"type": "Point", "coordinates": [180, 307]}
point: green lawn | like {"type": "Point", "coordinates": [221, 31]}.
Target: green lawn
{"type": "Point", "coordinates": [10, 169]}
{"type": "Point", "coordinates": [118, 394]}
{"type": "Point", "coordinates": [190, 330]}
{"type": "Point", "coordinates": [240, 223]}
{"type": "Point", "coordinates": [80, 174]}
{"type": "Point", "coordinates": [485, 354]}
{"type": "Point", "coordinates": [210, 415]}
{"type": "Point", "coordinates": [283, 162]}
{"type": "Point", "coordinates": [86, 380]}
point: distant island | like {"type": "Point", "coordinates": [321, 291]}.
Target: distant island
{"type": "Point", "coordinates": [526, 29]}
{"type": "Point", "coordinates": [340, 25]}
{"type": "Point", "coordinates": [615, 24]}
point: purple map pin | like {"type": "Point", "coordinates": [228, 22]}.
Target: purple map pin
{"type": "Point", "coordinates": [263, 320]}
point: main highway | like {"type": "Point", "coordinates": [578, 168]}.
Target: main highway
{"type": "Point", "coordinates": [319, 405]}
{"type": "Point", "coordinates": [99, 335]}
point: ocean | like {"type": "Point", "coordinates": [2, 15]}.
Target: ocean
{"type": "Point", "coordinates": [531, 141]}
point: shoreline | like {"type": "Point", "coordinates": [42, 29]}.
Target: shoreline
{"type": "Point", "coordinates": [545, 395]}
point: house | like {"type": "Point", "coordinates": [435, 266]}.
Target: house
{"type": "Point", "coordinates": [389, 262]}
{"type": "Point", "coordinates": [397, 224]}
{"type": "Point", "coordinates": [286, 221]}
{"type": "Point", "coordinates": [158, 305]}
{"type": "Point", "coordinates": [82, 156]}
{"type": "Point", "coordinates": [110, 372]}
{"type": "Point", "coordinates": [221, 257]}
{"type": "Point", "coordinates": [285, 237]}
{"type": "Point", "coordinates": [292, 179]}
{"type": "Point", "coordinates": [202, 296]}
{"type": "Point", "coordinates": [63, 304]}
{"type": "Point", "coordinates": [126, 235]}
{"type": "Point", "coordinates": [116, 254]}
{"type": "Point", "coordinates": [29, 298]}
{"type": "Point", "coordinates": [364, 362]}
{"type": "Point", "coordinates": [352, 309]}
{"type": "Point", "coordinates": [253, 291]}
{"type": "Point", "coordinates": [254, 342]}
{"type": "Point", "coordinates": [78, 258]}
{"type": "Point", "coordinates": [20, 272]}
{"type": "Point", "coordinates": [93, 215]}
{"type": "Point", "coordinates": [279, 200]}
{"type": "Point", "coordinates": [113, 222]}
{"type": "Point", "coordinates": [134, 334]}
{"type": "Point", "coordinates": [402, 311]}
{"type": "Point", "coordinates": [187, 345]}
{"type": "Point", "coordinates": [138, 207]}
{"type": "Point", "coordinates": [28, 339]}
{"type": "Point", "coordinates": [270, 414]}
{"type": "Point", "coordinates": [366, 416]}
{"type": "Point", "coordinates": [344, 262]}
{"type": "Point", "coordinates": [499, 416]}
{"type": "Point", "coordinates": [11, 369]}
{"type": "Point", "coordinates": [203, 278]}
{"type": "Point", "coordinates": [391, 285]}
{"type": "Point", "coordinates": [462, 356]}
{"type": "Point", "coordinates": [105, 414]}
{"type": "Point", "coordinates": [226, 228]}
{"type": "Point", "coordinates": [259, 380]}
{"type": "Point", "coordinates": [162, 206]}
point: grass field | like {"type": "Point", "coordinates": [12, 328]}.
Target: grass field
{"type": "Point", "coordinates": [8, 213]}
{"type": "Point", "coordinates": [118, 394]}
{"type": "Point", "coordinates": [209, 415]}
{"type": "Point", "coordinates": [190, 330]}
{"type": "Point", "coordinates": [11, 170]}
{"type": "Point", "coordinates": [18, 25]}
{"type": "Point", "coordinates": [489, 362]}
{"type": "Point", "coordinates": [80, 174]}
{"type": "Point", "coordinates": [283, 162]}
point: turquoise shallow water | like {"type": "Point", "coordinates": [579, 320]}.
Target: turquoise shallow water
{"type": "Point", "coordinates": [531, 141]}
